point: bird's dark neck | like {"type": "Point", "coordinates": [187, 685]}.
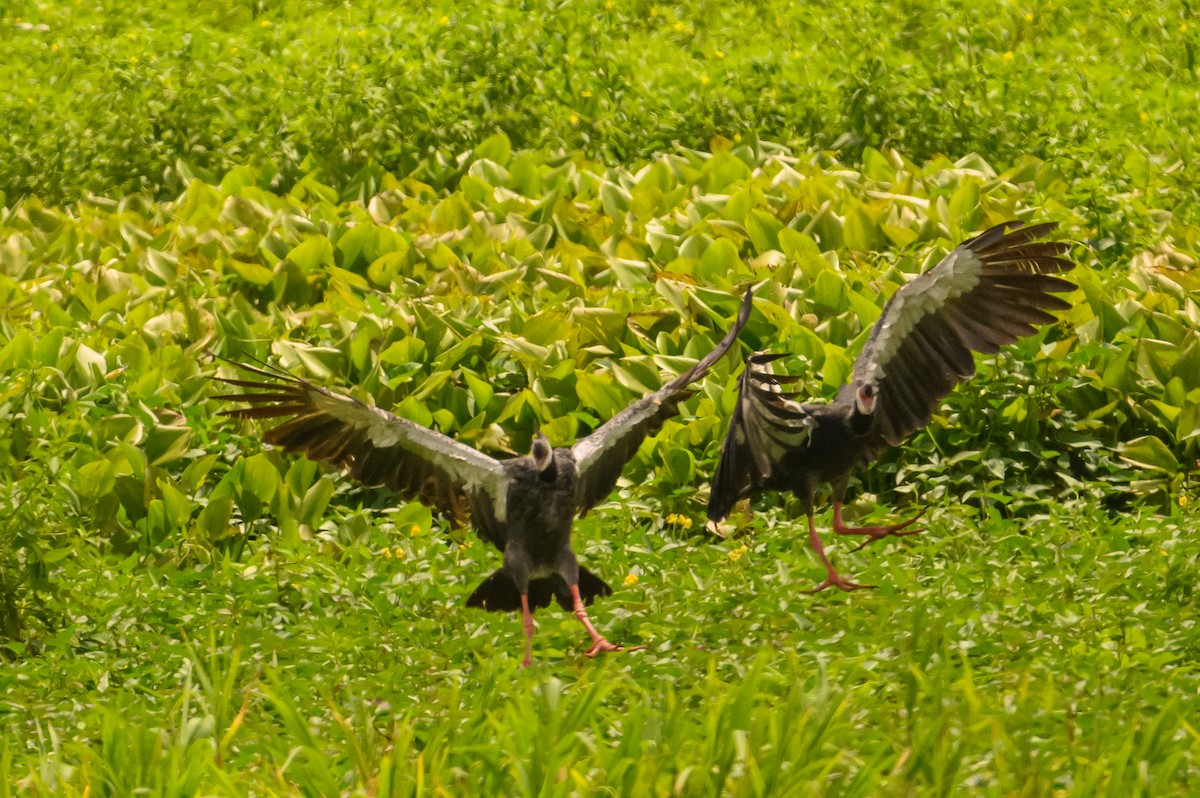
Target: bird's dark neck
{"type": "Point", "coordinates": [859, 423]}
{"type": "Point", "coordinates": [549, 475]}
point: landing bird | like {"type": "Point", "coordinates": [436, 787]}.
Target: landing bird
{"type": "Point", "coordinates": [988, 292]}
{"type": "Point", "coordinates": [525, 506]}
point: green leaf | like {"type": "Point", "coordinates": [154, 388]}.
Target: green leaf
{"type": "Point", "coordinates": [1150, 452]}
{"type": "Point", "coordinates": [312, 254]}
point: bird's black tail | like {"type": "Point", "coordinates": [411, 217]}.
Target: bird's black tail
{"type": "Point", "coordinates": [498, 593]}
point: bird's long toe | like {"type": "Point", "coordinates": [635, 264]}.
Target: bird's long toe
{"type": "Point", "coordinates": [874, 533]}
{"type": "Point", "coordinates": [841, 583]}
{"type": "Point", "coordinates": [602, 646]}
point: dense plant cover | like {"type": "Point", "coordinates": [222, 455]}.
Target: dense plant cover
{"type": "Point", "coordinates": [484, 219]}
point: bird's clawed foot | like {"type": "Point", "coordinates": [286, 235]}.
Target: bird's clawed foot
{"type": "Point", "coordinates": [874, 533]}
{"type": "Point", "coordinates": [836, 580]}
{"type": "Point", "coordinates": [602, 646]}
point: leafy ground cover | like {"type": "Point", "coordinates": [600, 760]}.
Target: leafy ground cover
{"type": "Point", "coordinates": [490, 216]}
{"type": "Point", "coordinates": [192, 613]}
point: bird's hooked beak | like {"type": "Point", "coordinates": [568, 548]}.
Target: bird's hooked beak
{"type": "Point", "coordinates": [541, 452]}
{"type": "Point", "coordinates": [864, 399]}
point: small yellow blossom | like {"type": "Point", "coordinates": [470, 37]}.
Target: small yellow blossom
{"type": "Point", "coordinates": [266, 23]}
{"type": "Point", "coordinates": [354, 67]}
{"type": "Point", "coordinates": [29, 100]}
{"type": "Point", "coordinates": [585, 93]}
{"type": "Point", "coordinates": [133, 59]}
{"type": "Point", "coordinates": [1183, 27]}
{"type": "Point", "coordinates": [573, 119]}
{"type": "Point", "coordinates": [608, 5]}
{"type": "Point", "coordinates": [705, 80]}
{"type": "Point", "coordinates": [360, 33]}
{"type": "Point", "coordinates": [1029, 16]}
{"type": "Point", "coordinates": [737, 553]}
{"type": "Point", "coordinates": [654, 11]}
{"type": "Point", "coordinates": [1008, 55]}
{"type": "Point", "coordinates": [399, 553]}
{"type": "Point", "coordinates": [443, 20]}
{"type": "Point", "coordinates": [414, 531]}
{"type": "Point", "coordinates": [1183, 501]}
{"type": "Point", "coordinates": [679, 27]}
{"type": "Point", "coordinates": [719, 53]}
{"type": "Point", "coordinates": [631, 580]}
{"type": "Point", "coordinates": [233, 51]}
{"type": "Point", "coordinates": [679, 520]}
{"type": "Point", "coordinates": [386, 552]}
{"type": "Point", "coordinates": [54, 47]}
{"type": "Point", "coordinates": [131, 35]}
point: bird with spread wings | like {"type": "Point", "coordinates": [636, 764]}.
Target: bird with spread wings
{"type": "Point", "coordinates": [525, 506]}
{"type": "Point", "coordinates": [986, 293]}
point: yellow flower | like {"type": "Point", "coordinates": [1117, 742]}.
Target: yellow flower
{"type": "Point", "coordinates": [1183, 501]}
{"type": "Point", "coordinates": [1145, 117]}
{"type": "Point", "coordinates": [585, 93]}
{"type": "Point", "coordinates": [679, 27]}
{"type": "Point", "coordinates": [654, 11]}
{"type": "Point", "coordinates": [133, 59]}
{"type": "Point", "coordinates": [414, 531]}
{"type": "Point", "coordinates": [266, 23]}
{"type": "Point", "coordinates": [360, 33]}
{"type": "Point", "coordinates": [54, 47]}
{"type": "Point", "coordinates": [1183, 27]}
{"type": "Point", "coordinates": [631, 580]}
{"type": "Point", "coordinates": [608, 5]}
{"type": "Point", "coordinates": [1008, 56]}
{"type": "Point", "coordinates": [444, 20]}
{"type": "Point", "coordinates": [719, 53]}
{"type": "Point", "coordinates": [573, 119]}
{"type": "Point", "coordinates": [737, 553]}
{"type": "Point", "coordinates": [1029, 16]}
{"type": "Point", "coordinates": [704, 80]}
{"type": "Point", "coordinates": [131, 35]}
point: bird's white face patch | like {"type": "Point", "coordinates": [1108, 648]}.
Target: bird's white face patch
{"type": "Point", "coordinates": [864, 399]}
{"type": "Point", "coordinates": [542, 453]}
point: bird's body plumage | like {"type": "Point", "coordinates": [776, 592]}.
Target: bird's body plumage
{"type": "Point", "coordinates": [525, 506]}
{"type": "Point", "coordinates": [987, 292]}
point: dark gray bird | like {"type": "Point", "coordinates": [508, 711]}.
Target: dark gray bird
{"type": "Point", "coordinates": [525, 506]}
{"type": "Point", "coordinates": [988, 292]}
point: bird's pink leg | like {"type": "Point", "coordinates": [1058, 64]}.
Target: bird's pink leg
{"type": "Point", "coordinates": [599, 644]}
{"type": "Point", "coordinates": [873, 533]}
{"type": "Point", "coordinates": [833, 578]}
{"type": "Point", "coordinates": [527, 618]}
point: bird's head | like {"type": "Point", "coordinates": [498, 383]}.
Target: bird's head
{"type": "Point", "coordinates": [864, 399]}
{"type": "Point", "coordinates": [541, 452]}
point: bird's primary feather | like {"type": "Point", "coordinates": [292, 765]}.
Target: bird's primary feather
{"type": "Point", "coordinates": [989, 291]}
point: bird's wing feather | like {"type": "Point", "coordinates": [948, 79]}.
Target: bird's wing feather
{"type": "Point", "coordinates": [600, 456]}
{"type": "Point", "coordinates": [767, 424]}
{"type": "Point", "coordinates": [988, 292]}
{"type": "Point", "coordinates": [377, 447]}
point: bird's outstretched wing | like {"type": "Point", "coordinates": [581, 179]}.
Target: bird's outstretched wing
{"type": "Point", "coordinates": [989, 291]}
{"type": "Point", "coordinates": [600, 456]}
{"type": "Point", "coordinates": [767, 423]}
{"type": "Point", "coordinates": [376, 447]}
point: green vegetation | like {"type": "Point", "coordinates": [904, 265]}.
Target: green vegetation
{"type": "Point", "coordinates": [490, 217]}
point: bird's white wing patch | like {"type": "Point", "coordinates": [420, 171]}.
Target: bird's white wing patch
{"type": "Point", "coordinates": [924, 295]}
